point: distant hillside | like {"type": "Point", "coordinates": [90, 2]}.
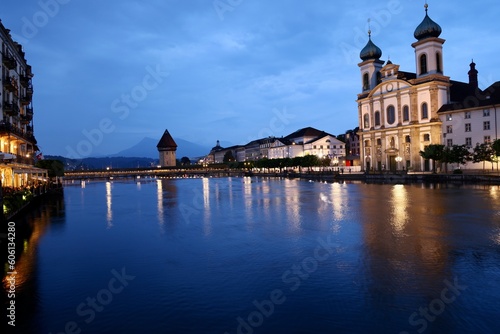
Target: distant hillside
{"type": "Point", "coordinates": [147, 148]}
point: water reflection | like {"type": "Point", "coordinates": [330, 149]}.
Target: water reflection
{"type": "Point", "coordinates": [109, 201]}
{"type": "Point", "coordinates": [159, 202]}
{"type": "Point", "coordinates": [29, 232]}
{"type": "Point", "coordinates": [399, 209]}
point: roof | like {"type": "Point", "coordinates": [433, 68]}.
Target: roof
{"type": "Point", "coordinates": [464, 96]}
{"type": "Point", "coordinates": [166, 141]}
{"type": "Point", "coordinates": [306, 132]}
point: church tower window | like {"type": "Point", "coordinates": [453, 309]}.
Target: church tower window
{"type": "Point", "coordinates": [423, 64]}
{"type": "Point", "coordinates": [366, 82]}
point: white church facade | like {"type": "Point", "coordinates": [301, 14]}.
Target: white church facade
{"type": "Point", "coordinates": [402, 112]}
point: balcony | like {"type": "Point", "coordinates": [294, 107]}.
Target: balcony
{"type": "Point", "coordinates": [7, 128]}
{"type": "Point", "coordinates": [25, 80]}
{"type": "Point", "coordinates": [29, 112]}
{"type": "Point", "coordinates": [25, 100]}
{"type": "Point", "coordinates": [9, 83]}
{"type": "Point", "coordinates": [10, 109]}
{"type": "Point", "coordinates": [8, 61]}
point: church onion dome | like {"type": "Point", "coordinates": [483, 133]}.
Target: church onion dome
{"type": "Point", "coordinates": [370, 51]}
{"type": "Point", "coordinates": [427, 28]}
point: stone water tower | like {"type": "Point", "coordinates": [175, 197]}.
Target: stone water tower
{"type": "Point", "coordinates": [166, 148]}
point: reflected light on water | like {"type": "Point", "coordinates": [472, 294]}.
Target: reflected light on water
{"type": "Point", "coordinates": [159, 195]}
{"type": "Point", "coordinates": [399, 209]}
{"type": "Point", "coordinates": [292, 203]}
{"type": "Point", "coordinates": [338, 199]}
{"type": "Point", "coordinates": [207, 224]}
{"type": "Point", "coordinates": [109, 213]}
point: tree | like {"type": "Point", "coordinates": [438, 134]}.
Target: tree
{"type": "Point", "coordinates": [54, 167]}
{"type": "Point", "coordinates": [228, 157]}
{"type": "Point", "coordinates": [185, 161]}
{"type": "Point", "coordinates": [482, 153]}
{"type": "Point", "coordinates": [496, 150]}
{"type": "Point", "coordinates": [434, 152]}
{"type": "Point", "coordinates": [456, 154]}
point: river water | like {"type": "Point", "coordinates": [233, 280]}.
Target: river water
{"type": "Point", "coordinates": [258, 255]}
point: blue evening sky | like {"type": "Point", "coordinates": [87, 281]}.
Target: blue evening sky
{"type": "Point", "coordinates": [109, 73]}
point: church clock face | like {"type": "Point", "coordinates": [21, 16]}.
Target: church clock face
{"type": "Point", "coordinates": [389, 87]}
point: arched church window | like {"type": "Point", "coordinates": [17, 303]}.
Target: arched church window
{"type": "Point", "coordinates": [391, 114]}
{"type": "Point", "coordinates": [379, 77]}
{"type": "Point", "coordinates": [423, 64]}
{"type": "Point", "coordinates": [377, 118]}
{"type": "Point", "coordinates": [425, 111]}
{"type": "Point", "coordinates": [438, 62]}
{"type": "Point", "coordinates": [406, 114]}
{"type": "Point", "coordinates": [366, 121]}
{"type": "Point", "coordinates": [366, 82]}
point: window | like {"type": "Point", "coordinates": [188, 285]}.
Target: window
{"type": "Point", "coordinates": [314, 146]}
{"type": "Point", "coordinates": [438, 62]}
{"type": "Point", "coordinates": [449, 142]}
{"type": "Point", "coordinates": [377, 118]}
{"type": "Point", "coordinates": [425, 111]}
{"type": "Point", "coordinates": [408, 139]}
{"type": "Point", "coordinates": [468, 127]}
{"type": "Point", "coordinates": [423, 64]}
{"type": "Point", "coordinates": [366, 121]}
{"type": "Point", "coordinates": [486, 112]}
{"type": "Point", "coordinates": [379, 142]}
{"type": "Point", "coordinates": [366, 82]}
{"type": "Point", "coordinates": [468, 142]}
{"type": "Point", "coordinates": [487, 139]}
{"type": "Point", "coordinates": [327, 147]}
{"type": "Point", "coordinates": [486, 125]}
{"type": "Point", "coordinates": [467, 115]}
{"type": "Point", "coordinates": [427, 137]}
{"type": "Point", "coordinates": [449, 117]}
{"type": "Point", "coordinates": [406, 114]}
{"type": "Point", "coordinates": [391, 114]}
{"type": "Point", "coordinates": [449, 129]}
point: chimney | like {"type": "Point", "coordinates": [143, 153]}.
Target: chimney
{"type": "Point", "coordinates": [473, 75]}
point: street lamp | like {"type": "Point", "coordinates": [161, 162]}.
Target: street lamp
{"type": "Point", "coordinates": [398, 160]}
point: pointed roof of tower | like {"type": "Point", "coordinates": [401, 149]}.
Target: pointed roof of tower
{"type": "Point", "coordinates": [428, 28]}
{"type": "Point", "coordinates": [166, 141]}
{"type": "Point", "coordinates": [370, 51]}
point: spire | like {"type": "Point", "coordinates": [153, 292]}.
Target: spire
{"type": "Point", "coordinates": [370, 51]}
{"type": "Point", "coordinates": [473, 75]}
{"type": "Point", "coordinates": [428, 28]}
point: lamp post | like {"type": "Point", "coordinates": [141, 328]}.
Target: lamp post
{"type": "Point", "coordinates": [398, 160]}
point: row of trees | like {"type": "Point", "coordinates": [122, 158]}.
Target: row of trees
{"type": "Point", "coordinates": [460, 154]}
